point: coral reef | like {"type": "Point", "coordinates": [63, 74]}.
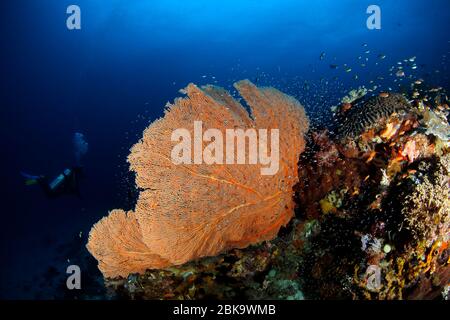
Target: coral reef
{"type": "Point", "coordinates": [264, 271]}
{"type": "Point", "coordinates": [426, 202]}
{"type": "Point", "coordinates": [372, 217]}
{"type": "Point", "coordinates": [185, 212]}
{"type": "Point", "coordinates": [320, 174]}
{"type": "Point", "coordinates": [388, 240]}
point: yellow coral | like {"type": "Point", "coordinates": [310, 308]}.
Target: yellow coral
{"type": "Point", "coordinates": [326, 206]}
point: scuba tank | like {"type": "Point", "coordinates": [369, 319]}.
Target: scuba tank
{"type": "Point", "coordinates": [59, 180]}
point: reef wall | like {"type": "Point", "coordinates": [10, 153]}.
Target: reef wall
{"type": "Point", "coordinates": [372, 219]}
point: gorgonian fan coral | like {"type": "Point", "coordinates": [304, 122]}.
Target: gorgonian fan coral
{"type": "Point", "coordinates": [190, 211]}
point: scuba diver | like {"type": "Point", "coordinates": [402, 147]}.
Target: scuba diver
{"type": "Point", "coordinates": [67, 182]}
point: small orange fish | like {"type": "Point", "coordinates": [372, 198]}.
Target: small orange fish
{"type": "Point", "coordinates": [345, 107]}
{"type": "Point", "coordinates": [371, 156]}
{"type": "Point", "coordinates": [390, 130]}
{"type": "Point", "coordinates": [384, 94]}
{"type": "Point", "coordinates": [443, 247]}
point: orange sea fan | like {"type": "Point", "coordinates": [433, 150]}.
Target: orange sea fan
{"type": "Point", "coordinates": [188, 211]}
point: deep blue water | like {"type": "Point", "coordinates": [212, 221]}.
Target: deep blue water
{"type": "Point", "coordinates": [112, 77]}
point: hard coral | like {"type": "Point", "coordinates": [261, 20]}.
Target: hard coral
{"type": "Point", "coordinates": [186, 211]}
{"type": "Point", "coordinates": [354, 95]}
{"type": "Point", "coordinates": [371, 113]}
{"type": "Point", "coordinates": [437, 125]}
{"type": "Point", "coordinates": [426, 209]}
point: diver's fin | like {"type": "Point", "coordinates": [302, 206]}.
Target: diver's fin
{"type": "Point", "coordinates": [29, 179]}
{"type": "Point", "coordinates": [30, 182]}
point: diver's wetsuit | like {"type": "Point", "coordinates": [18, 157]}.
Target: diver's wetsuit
{"type": "Point", "coordinates": [65, 183]}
